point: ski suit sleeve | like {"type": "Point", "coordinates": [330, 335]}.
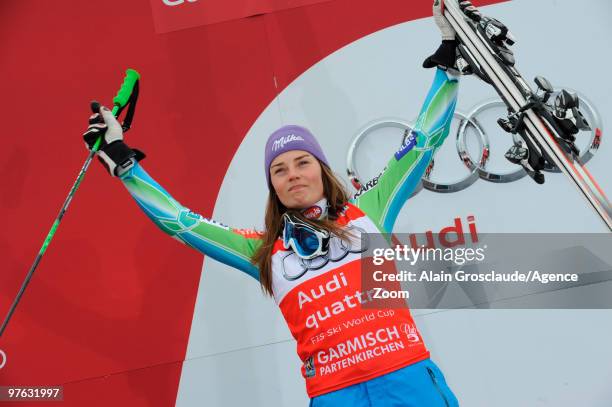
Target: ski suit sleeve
{"type": "Point", "coordinates": [234, 247]}
{"type": "Point", "coordinates": [383, 197]}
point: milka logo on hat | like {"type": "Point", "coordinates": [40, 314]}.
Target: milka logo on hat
{"type": "Point", "coordinates": [280, 143]}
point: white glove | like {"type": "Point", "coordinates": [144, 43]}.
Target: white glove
{"type": "Point", "coordinates": [447, 31]}
{"type": "Point", "coordinates": [116, 156]}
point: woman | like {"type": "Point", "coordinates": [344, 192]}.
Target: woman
{"type": "Point", "coordinates": [307, 257]}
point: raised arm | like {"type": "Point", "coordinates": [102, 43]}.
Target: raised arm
{"type": "Point", "coordinates": [234, 247]}
{"type": "Point", "coordinates": [383, 197]}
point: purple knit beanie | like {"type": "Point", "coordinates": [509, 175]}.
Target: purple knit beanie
{"type": "Point", "coordinates": [289, 138]}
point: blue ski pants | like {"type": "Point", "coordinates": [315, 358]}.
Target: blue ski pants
{"type": "Point", "coordinates": [421, 384]}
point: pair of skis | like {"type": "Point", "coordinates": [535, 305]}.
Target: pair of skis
{"type": "Point", "coordinates": [544, 130]}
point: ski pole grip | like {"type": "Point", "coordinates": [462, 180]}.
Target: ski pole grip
{"type": "Point", "coordinates": [124, 93]}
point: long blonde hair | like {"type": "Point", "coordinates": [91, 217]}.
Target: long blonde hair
{"type": "Point", "coordinates": [337, 197]}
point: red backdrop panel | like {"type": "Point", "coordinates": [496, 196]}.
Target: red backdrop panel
{"type": "Point", "coordinates": [172, 15]}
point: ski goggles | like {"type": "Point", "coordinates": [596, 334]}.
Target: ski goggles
{"type": "Point", "coordinates": [306, 241]}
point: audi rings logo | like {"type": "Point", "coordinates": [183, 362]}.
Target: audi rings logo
{"type": "Point", "coordinates": [295, 267]}
{"type": "Point", "coordinates": [477, 166]}
{"type": "Point", "coordinates": [2, 358]}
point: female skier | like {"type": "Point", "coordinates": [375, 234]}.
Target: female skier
{"type": "Point", "coordinates": [307, 258]}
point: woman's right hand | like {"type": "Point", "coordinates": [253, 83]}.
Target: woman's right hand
{"type": "Point", "coordinates": [116, 156]}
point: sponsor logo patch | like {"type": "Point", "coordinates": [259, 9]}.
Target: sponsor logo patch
{"type": "Point", "coordinates": [407, 145]}
{"type": "Point", "coordinates": [370, 184]}
{"type": "Point", "coordinates": [280, 143]}
{"type": "Point", "coordinates": [313, 212]}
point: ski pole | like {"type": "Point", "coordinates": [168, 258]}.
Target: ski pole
{"type": "Point", "coordinates": [127, 94]}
